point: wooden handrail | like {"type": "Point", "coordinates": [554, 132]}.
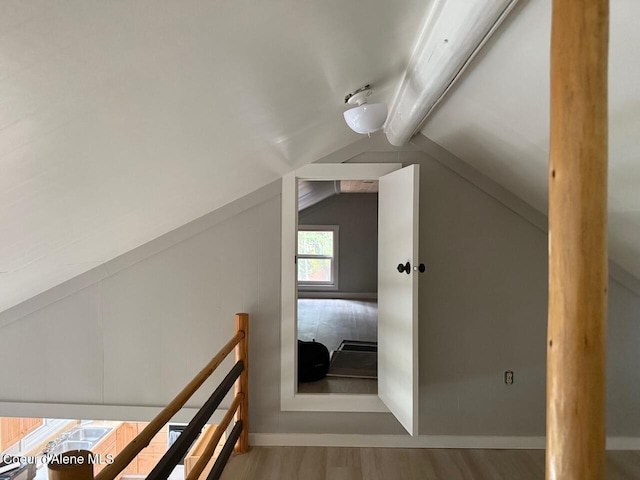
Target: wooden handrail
{"type": "Point", "coordinates": [210, 448]}
{"type": "Point", "coordinates": [124, 458]}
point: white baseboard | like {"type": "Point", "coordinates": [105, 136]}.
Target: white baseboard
{"type": "Point", "coordinates": [623, 443]}
{"type": "Point", "coordinates": [422, 441]}
{"type": "Point", "coordinates": [345, 295]}
{"type": "Point", "coordinates": [395, 441]}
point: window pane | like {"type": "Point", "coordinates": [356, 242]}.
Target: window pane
{"type": "Point", "coordinates": [315, 243]}
{"type": "Point", "coordinates": [314, 270]}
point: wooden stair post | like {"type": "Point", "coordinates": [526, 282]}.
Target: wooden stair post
{"type": "Point", "coordinates": [576, 349]}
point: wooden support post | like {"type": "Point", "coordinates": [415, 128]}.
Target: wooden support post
{"type": "Point", "coordinates": [577, 241]}
{"type": "Point", "coordinates": [73, 465]}
{"type": "Point", "coordinates": [242, 384]}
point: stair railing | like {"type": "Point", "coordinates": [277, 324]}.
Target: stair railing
{"type": "Point", "coordinates": [238, 438]}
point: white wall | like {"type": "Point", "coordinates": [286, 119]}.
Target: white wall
{"type": "Point", "coordinates": [136, 336]}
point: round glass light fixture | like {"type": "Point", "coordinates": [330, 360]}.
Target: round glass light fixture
{"type": "Point", "coordinates": [366, 118]}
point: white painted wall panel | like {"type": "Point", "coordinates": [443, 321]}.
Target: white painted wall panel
{"type": "Point", "coordinates": [483, 299]}
{"type": "Point", "coordinates": [182, 300]}
{"type": "Point", "coordinates": [482, 311]}
{"type": "Point", "coordinates": [14, 346]}
{"type": "Point", "coordinates": [623, 359]}
{"type": "Point", "coordinates": [56, 354]}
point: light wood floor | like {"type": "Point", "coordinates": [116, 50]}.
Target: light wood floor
{"type": "Point", "coordinates": [320, 463]}
{"type": "Point", "coordinates": [330, 321]}
{"type": "Point", "coordinates": [340, 385]}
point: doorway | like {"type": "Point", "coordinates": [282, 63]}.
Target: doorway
{"type": "Point", "coordinates": [337, 256]}
{"type": "Point", "coordinates": [397, 293]}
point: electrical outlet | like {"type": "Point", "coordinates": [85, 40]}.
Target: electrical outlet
{"type": "Point", "coordinates": [508, 377]}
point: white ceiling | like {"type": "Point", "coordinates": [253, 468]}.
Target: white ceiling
{"type": "Point", "coordinates": [121, 120]}
{"type": "Point", "coordinates": [497, 117]}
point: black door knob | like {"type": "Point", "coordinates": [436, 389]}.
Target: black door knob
{"type": "Point", "coordinates": [421, 268]}
{"type": "Point", "coordinates": [406, 268]}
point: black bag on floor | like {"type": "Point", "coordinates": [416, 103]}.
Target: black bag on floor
{"type": "Point", "coordinates": [313, 361]}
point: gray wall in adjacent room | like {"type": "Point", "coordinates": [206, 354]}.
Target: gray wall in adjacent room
{"type": "Point", "coordinates": [138, 335]}
{"type": "Point", "coordinates": [357, 216]}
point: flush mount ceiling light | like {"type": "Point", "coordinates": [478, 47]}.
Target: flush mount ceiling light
{"type": "Point", "coordinates": [365, 118]}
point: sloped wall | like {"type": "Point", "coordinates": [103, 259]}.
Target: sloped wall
{"type": "Point", "coordinates": [137, 336]}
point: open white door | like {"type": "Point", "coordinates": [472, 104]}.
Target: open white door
{"type": "Point", "coordinates": [398, 294]}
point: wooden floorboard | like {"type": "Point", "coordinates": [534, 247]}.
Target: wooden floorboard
{"type": "Point", "coordinates": [332, 463]}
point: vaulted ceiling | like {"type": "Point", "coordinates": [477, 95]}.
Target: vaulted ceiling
{"type": "Point", "coordinates": [123, 120]}
{"type": "Point", "coordinates": [497, 117]}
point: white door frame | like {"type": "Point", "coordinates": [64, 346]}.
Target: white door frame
{"type": "Point", "coordinates": [290, 399]}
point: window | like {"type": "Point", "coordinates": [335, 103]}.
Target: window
{"type": "Point", "coordinates": [318, 256]}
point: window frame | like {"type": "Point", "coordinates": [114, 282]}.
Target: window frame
{"type": "Point", "coordinates": [314, 286]}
